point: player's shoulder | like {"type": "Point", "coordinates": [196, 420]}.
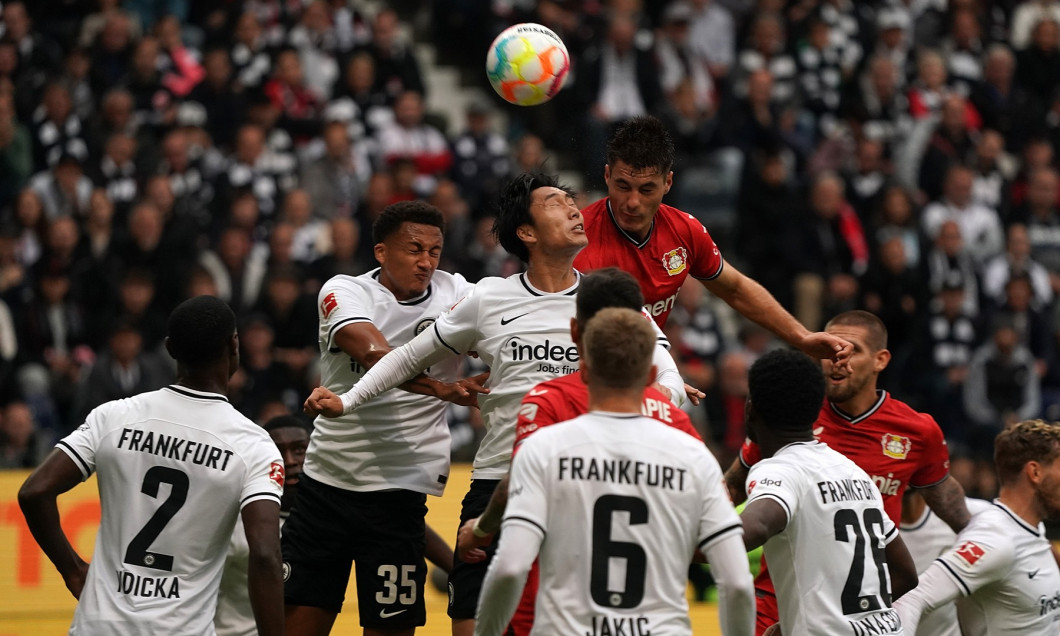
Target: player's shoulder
{"type": "Point", "coordinates": [895, 411]}
{"type": "Point", "coordinates": [345, 282]}
{"type": "Point", "coordinates": [677, 219]}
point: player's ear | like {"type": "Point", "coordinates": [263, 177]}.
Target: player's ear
{"type": "Point", "coordinates": [525, 233]}
{"type": "Point", "coordinates": [380, 253]}
{"type": "Point", "coordinates": [607, 172]}
{"type": "Point", "coordinates": [668, 182]}
{"type": "Point", "coordinates": [883, 358]}
{"type": "Point", "coordinates": [1033, 470]}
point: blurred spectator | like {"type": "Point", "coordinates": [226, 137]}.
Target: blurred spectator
{"type": "Point", "coordinates": [529, 154]}
{"type": "Point", "coordinates": [116, 171]}
{"type": "Point", "coordinates": [694, 130]}
{"type": "Point", "coordinates": [92, 25]}
{"type": "Point", "coordinates": [57, 130]}
{"type": "Point", "coordinates": [456, 211]}
{"type": "Point", "coordinates": [13, 278]}
{"type": "Point", "coordinates": [1017, 261]}
{"type": "Point", "coordinates": [754, 122]}
{"type": "Point", "coordinates": [714, 36]}
{"type": "Point", "coordinates": [262, 378]}
{"type": "Point", "coordinates": [893, 40]}
{"type": "Point", "coordinates": [357, 86]}
{"type": "Point", "coordinates": [1042, 217]}
{"type": "Point", "coordinates": [1032, 325]}
{"type": "Point", "coordinates": [249, 53]}
{"type": "Point", "coordinates": [948, 260]}
{"type": "Point", "coordinates": [876, 104]}
{"type": "Point", "coordinates": [187, 178]}
{"type": "Point", "coordinates": [484, 256]}
{"type": "Point", "coordinates": [408, 137]}
{"type": "Point", "coordinates": [22, 444]}
{"type": "Point", "coordinates": [766, 230]}
{"type": "Point", "coordinates": [120, 371]}
{"type": "Point", "coordinates": [344, 256]}
{"type": "Point", "coordinates": [265, 173]}
{"type": "Point", "coordinates": [1003, 103]}
{"type": "Point", "coordinates": [309, 234]}
{"type": "Point", "coordinates": [9, 352]}
{"type": "Point", "coordinates": [1038, 65]}
{"type": "Point", "coordinates": [299, 107]}
{"type": "Point", "coordinates": [315, 39]}
{"type": "Point", "coordinates": [336, 179]}
{"type": "Point", "coordinates": [16, 151]}
{"type": "Point", "coordinates": [149, 247]}
{"type": "Point", "coordinates": [833, 254]}
{"type": "Point", "coordinates": [137, 308]}
{"type": "Point", "coordinates": [963, 49]}
{"type": "Point", "coordinates": [895, 216]}
{"type": "Point", "coordinates": [679, 62]}
{"type": "Point", "coordinates": [993, 173]}
{"type": "Point", "coordinates": [112, 50]}
{"type": "Point", "coordinates": [952, 143]}
{"type": "Point", "coordinates": [866, 177]}
{"type": "Point", "coordinates": [63, 189]}
{"type": "Point", "coordinates": [824, 64]}
{"type": "Point", "coordinates": [766, 48]}
{"type": "Point", "coordinates": [60, 247]}
{"type": "Point", "coordinates": [725, 405]}
{"type": "Point", "coordinates": [237, 269]}
{"type": "Point", "coordinates": [153, 102]}
{"type": "Point", "coordinates": [294, 316]}
{"type": "Point", "coordinates": [181, 67]}
{"type": "Point", "coordinates": [1037, 153]}
{"type": "Point", "coordinates": [396, 69]}
{"type": "Point", "coordinates": [894, 291]}
{"type": "Point", "coordinates": [980, 226]}
{"type": "Point", "coordinates": [32, 226]}
{"type": "Point", "coordinates": [97, 268]}
{"type": "Point", "coordinates": [218, 96]}
{"type": "Point", "coordinates": [38, 53]}
{"type": "Point", "coordinates": [1027, 16]}
{"type": "Point", "coordinates": [480, 157]}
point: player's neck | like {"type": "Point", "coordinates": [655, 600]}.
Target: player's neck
{"type": "Point", "coordinates": [860, 403]}
{"type": "Point", "coordinates": [771, 445]}
{"type": "Point", "coordinates": [551, 275]}
{"type": "Point", "coordinates": [1022, 500]}
{"type": "Point", "coordinates": [206, 380]}
{"type": "Point", "coordinates": [614, 400]}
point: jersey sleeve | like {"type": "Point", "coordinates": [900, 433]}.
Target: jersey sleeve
{"type": "Point", "coordinates": [527, 491]}
{"type": "Point", "coordinates": [341, 305]}
{"type": "Point", "coordinates": [935, 460]}
{"type": "Point", "coordinates": [706, 262]}
{"type": "Point", "coordinates": [718, 518]}
{"type": "Point", "coordinates": [82, 443]}
{"type": "Point", "coordinates": [774, 480]}
{"type": "Point", "coordinates": [537, 411]}
{"type": "Point", "coordinates": [457, 329]}
{"type": "Point", "coordinates": [750, 454]}
{"type": "Point", "coordinates": [265, 474]}
{"type": "Point", "coordinates": [978, 558]}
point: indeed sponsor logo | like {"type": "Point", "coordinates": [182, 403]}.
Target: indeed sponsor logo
{"type": "Point", "coordinates": [542, 352]}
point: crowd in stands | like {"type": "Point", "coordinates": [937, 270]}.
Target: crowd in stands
{"type": "Point", "coordinates": [898, 156]}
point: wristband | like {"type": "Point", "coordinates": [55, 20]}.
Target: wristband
{"type": "Point", "coordinates": [478, 531]}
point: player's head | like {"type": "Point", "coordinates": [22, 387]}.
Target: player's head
{"type": "Point", "coordinates": [870, 357]}
{"type": "Point", "coordinates": [291, 435]}
{"type": "Point", "coordinates": [538, 213]}
{"type": "Point", "coordinates": [602, 288]}
{"type": "Point", "coordinates": [202, 334]}
{"type": "Point", "coordinates": [408, 243]}
{"type": "Point", "coordinates": [1026, 454]}
{"type": "Point", "coordinates": [785, 391]}
{"type": "Point", "coordinates": [640, 158]}
{"type": "Point", "coordinates": [617, 349]}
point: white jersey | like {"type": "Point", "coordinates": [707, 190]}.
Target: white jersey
{"type": "Point", "coordinates": [398, 439]}
{"type": "Point", "coordinates": [175, 467]}
{"type": "Point", "coordinates": [828, 565]}
{"type": "Point", "coordinates": [235, 615]}
{"type": "Point", "coordinates": [1006, 570]}
{"type": "Point", "coordinates": [622, 502]}
{"type": "Point", "coordinates": [523, 335]}
{"type": "Point", "coordinates": [927, 538]}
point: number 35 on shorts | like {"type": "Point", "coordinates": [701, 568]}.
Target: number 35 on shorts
{"type": "Point", "coordinates": [399, 585]}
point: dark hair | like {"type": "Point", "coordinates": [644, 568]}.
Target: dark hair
{"type": "Point", "coordinates": [1027, 441]}
{"type": "Point", "coordinates": [870, 322]}
{"type": "Point", "coordinates": [642, 142]}
{"type": "Point", "coordinates": [786, 388]}
{"type": "Point", "coordinates": [393, 215]}
{"type": "Point", "coordinates": [514, 210]}
{"type": "Point", "coordinates": [200, 330]}
{"type": "Point", "coordinates": [287, 421]}
{"type": "Point", "coordinates": [608, 287]}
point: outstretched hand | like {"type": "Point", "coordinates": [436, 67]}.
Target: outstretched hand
{"type": "Point", "coordinates": [322, 401]}
{"type": "Point", "coordinates": [826, 346]}
{"type": "Point", "coordinates": [469, 548]}
{"type": "Point", "coordinates": [465, 392]}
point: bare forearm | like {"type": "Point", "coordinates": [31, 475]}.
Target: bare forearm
{"type": "Point", "coordinates": [265, 581]}
{"type": "Point", "coordinates": [946, 500]}
{"type": "Point", "coordinates": [42, 519]}
{"type": "Point", "coordinates": [754, 302]}
{"type": "Point", "coordinates": [490, 519]}
{"type": "Point", "coordinates": [735, 478]}
{"type": "Point", "coordinates": [438, 551]}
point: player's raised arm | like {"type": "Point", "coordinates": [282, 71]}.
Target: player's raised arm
{"type": "Point", "coordinates": [265, 565]}
{"type": "Point", "coordinates": [37, 499]}
{"type": "Point", "coordinates": [946, 499]}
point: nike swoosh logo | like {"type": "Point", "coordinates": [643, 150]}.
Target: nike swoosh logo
{"type": "Point", "coordinates": [505, 321]}
{"type": "Point", "coordinates": [536, 392]}
{"type": "Point", "coordinates": [385, 614]}
{"type": "Point", "coordinates": [1031, 575]}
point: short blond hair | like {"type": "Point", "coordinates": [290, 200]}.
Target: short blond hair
{"type": "Point", "coordinates": [618, 345]}
{"type": "Point", "coordinates": [1026, 441]}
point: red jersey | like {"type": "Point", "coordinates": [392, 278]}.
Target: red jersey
{"type": "Point", "coordinates": [677, 246]}
{"type": "Point", "coordinates": [558, 400]}
{"type": "Point", "coordinates": [897, 446]}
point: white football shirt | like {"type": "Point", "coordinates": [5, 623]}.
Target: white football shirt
{"type": "Point", "coordinates": [829, 563]}
{"type": "Point", "coordinates": [175, 467]}
{"type": "Point", "coordinates": [397, 439]}
{"type": "Point", "coordinates": [622, 502]}
{"type": "Point", "coordinates": [1005, 569]}
{"type": "Point", "coordinates": [927, 538]}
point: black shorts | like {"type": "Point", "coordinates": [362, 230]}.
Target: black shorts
{"type": "Point", "coordinates": [383, 532]}
{"type": "Point", "coordinates": [465, 581]}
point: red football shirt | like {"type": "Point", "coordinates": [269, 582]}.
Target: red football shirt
{"type": "Point", "coordinates": [677, 246]}
{"type": "Point", "coordinates": [558, 400]}
{"type": "Point", "coordinates": [897, 446]}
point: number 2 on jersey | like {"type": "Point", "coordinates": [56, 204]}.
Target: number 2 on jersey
{"type": "Point", "coordinates": [605, 549]}
{"type": "Point", "coordinates": [854, 602]}
{"type": "Point", "coordinates": [137, 552]}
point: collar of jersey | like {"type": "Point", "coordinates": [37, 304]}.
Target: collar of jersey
{"type": "Point", "coordinates": [411, 301]}
{"type": "Point", "coordinates": [192, 393]}
{"type": "Point", "coordinates": [629, 237]}
{"type": "Point", "coordinates": [854, 419]}
{"type": "Point", "coordinates": [617, 416]}
{"type": "Point", "coordinates": [1023, 524]}
{"type": "Point", "coordinates": [803, 443]}
{"type": "Point", "coordinates": [570, 291]}
{"type": "Point", "coordinates": [919, 523]}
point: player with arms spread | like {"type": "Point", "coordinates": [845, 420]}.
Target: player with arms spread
{"type": "Point", "coordinates": [661, 246]}
{"type": "Point", "coordinates": [368, 472]}
{"type": "Point", "coordinates": [1002, 567]}
{"type": "Point", "coordinates": [897, 446]}
{"type": "Point", "coordinates": [613, 485]}
{"type": "Point", "coordinates": [175, 468]}
{"type": "Point", "coordinates": [798, 493]}
{"type": "Point", "coordinates": [558, 400]}
{"type": "Point", "coordinates": [520, 327]}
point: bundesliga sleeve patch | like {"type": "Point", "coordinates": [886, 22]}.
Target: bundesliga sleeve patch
{"type": "Point", "coordinates": [276, 473]}
{"type": "Point", "coordinates": [970, 552]}
{"type": "Point", "coordinates": [328, 305]}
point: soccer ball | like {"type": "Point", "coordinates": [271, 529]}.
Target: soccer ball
{"type": "Point", "coordinates": [527, 64]}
